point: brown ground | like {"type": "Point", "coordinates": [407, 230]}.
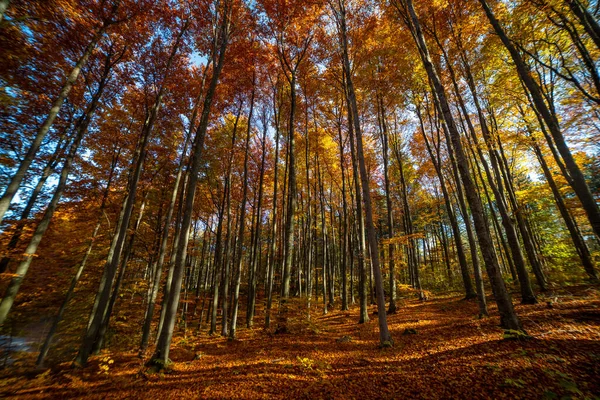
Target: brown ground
{"type": "Point", "coordinates": [452, 355]}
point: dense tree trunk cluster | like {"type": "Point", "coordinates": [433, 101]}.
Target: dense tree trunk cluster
{"type": "Point", "coordinates": [230, 156]}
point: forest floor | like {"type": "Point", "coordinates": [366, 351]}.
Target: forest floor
{"type": "Point", "coordinates": [441, 350]}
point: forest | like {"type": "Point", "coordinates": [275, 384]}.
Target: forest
{"type": "Point", "coordinates": [300, 199]}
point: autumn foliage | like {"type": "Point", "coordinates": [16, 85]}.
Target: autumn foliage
{"type": "Point", "coordinates": [219, 198]}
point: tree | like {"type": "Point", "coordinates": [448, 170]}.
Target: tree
{"type": "Point", "coordinates": [108, 18]}
{"type": "Point", "coordinates": [222, 16]}
{"type": "Point", "coordinates": [339, 11]}
{"type": "Point", "coordinates": [508, 317]}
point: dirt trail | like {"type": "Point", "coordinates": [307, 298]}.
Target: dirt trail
{"type": "Point", "coordinates": [441, 351]}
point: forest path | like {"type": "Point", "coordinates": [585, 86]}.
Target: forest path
{"type": "Point", "coordinates": [441, 350]}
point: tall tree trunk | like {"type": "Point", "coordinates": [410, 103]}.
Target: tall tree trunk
{"type": "Point", "coordinates": [522, 222]}
{"type": "Point", "coordinates": [481, 301]}
{"type": "Point", "coordinates": [251, 299]}
{"type": "Point", "coordinates": [156, 278]}
{"type": "Point", "coordinates": [17, 179]}
{"type": "Point", "coordinates": [257, 246]}
{"type": "Point", "coordinates": [69, 294]}
{"type": "Point", "coordinates": [412, 246]}
{"type": "Point", "coordinates": [230, 235]}
{"type": "Point", "coordinates": [48, 169]}
{"type": "Point", "coordinates": [501, 186]}
{"type": "Point", "coordinates": [218, 270]}
{"type": "Point", "coordinates": [384, 336]}
{"type": "Point", "coordinates": [346, 248]}
{"type": "Point", "coordinates": [103, 297]}
{"type": "Point", "coordinates": [578, 241]}
{"type": "Point", "coordinates": [80, 130]}
{"type": "Point", "coordinates": [117, 286]}
{"type": "Point", "coordinates": [332, 244]}
{"type": "Point", "coordinates": [388, 202]}
{"type": "Point", "coordinates": [508, 317]}
{"type": "Point", "coordinates": [577, 180]}
{"type": "Point", "coordinates": [291, 194]}
{"type": "Point", "coordinates": [360, 226]}
{"type": "Point", "coordinates": [226, 259]}
{"type": "Point", "coordinates": [325, 252]}
{"type": "Point", "coordinates": [468, 285]}
{"type": "Point", "coordinates": [161, 355]}
{"type": "Point", "coordinates": [242, 226]}
{"type": "Point", "coordinates": [309, 232]}
{"type": "Point", "coordinates": [173, 255]}
{"type": "Point", "coordinates": [494, 181]}
{"type": "Point", "coordinates": [590, 24]}
{"type": "Point", "coordinates": [273, 244]}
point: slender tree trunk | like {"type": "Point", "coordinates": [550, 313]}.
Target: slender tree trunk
{"type": "Point", "coordinates": [468, 285]}
{"type": "Point", "coordinates": [577, 180]}
{"type": "Point", "coordinates": [332, 244]}
{"type": "Point", "coordinates": [590, 24]}
{"type": "Point", "coordinates": [117, 286]}
{"type": "Point", "coordinates": [242, 226]}
{"type": "Point", "coordinates": [346, 248]}
{"type": "Point", "coordinates": [384, 335]}
{"type": "Point", "coordinates": [362, 270]}
{"type": "Point", "coordinates": [225, 261]}
{"type": "Point", "coordinates": [325, 257]}
{"type": "Point", "coordinates": [257, 246]}
{"type": "Point", "coordinates": [156, 278]}
{"type": "Point", "coordinates": [273, 244]}
{"type": "Point", "coordinates": [18, 177]}
{"type": "Point", "coordinates": [499, 189]}
{"type": "Point", "coordinates": [479, 285]}
{"type": "Point", "coordinates": [228, 241]}
{"type": "Point", "coordinates": [48, 341]}
{"type": "Point", "coordinates": [173, 255]}
{"type": "Point", "coordinates": [115, 252]}
{"type": "Point", "coordinates": [80, 129]}
{"type": "Point", "coordinates": [388, 201]}
{"type": "Point", "coordinates": [161, 355]}
{"type": "Point", "coordinates": [251, 300]}
{"type": "Point", "coordinates": [522, 223]}
{"type": "Point", "coordinates": [309, 232]}
{"type": "Point", "coordinates": [351, 242]}
{"type": "Point", "coordinates": [578, 241]}
{"type": "Point", "coordinates": [412, 246]}
{"type": "Point", "coordinates": [291, 195]}
{"type": "Point", "coordinates": [508, 317]}
{"type": "Point", "coordinates": [48, 169]}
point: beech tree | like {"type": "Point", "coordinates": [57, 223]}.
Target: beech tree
{"type": "Point", "coordinates": [279, 159]}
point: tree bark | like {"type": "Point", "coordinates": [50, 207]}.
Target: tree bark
{"type": "Point", "coordinates": [228, 241]}
{"type": "Point", "coordinates": [468, 285]}
{"type": "Point", "coordinates": [578, 241]}
{"type": "Point", "coordinates": [291, 194]}
{"type": "Point", "coordinates": [273, 245]}
{"type": "Point", "coordinates": [508, 317]}
{"type": "Point", "coordinates": [161, 355]}
{"type": "Point", "coordinates": [19, 175]}
{"type": "Point", "coordinates": [388, 202]}
{"type": "Point", "coordinates": [80, 129]}
{"type": "Point", "coordinates": [360, 225]}
{"type": "Point", "coordinates": [590, 24]}
{"type": "Point", "coordinates": [155, 281]}
{"type": "Point", "coordinates": [257, 246]}
{"type": "Point", "coordinates": [385, 338]}
{"type": "Point", "coordinates": [48, 169]}
{"type": "Point", "coordinates": [346, 248]}
{"type": "Point", "coordinates": [577, 182]}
